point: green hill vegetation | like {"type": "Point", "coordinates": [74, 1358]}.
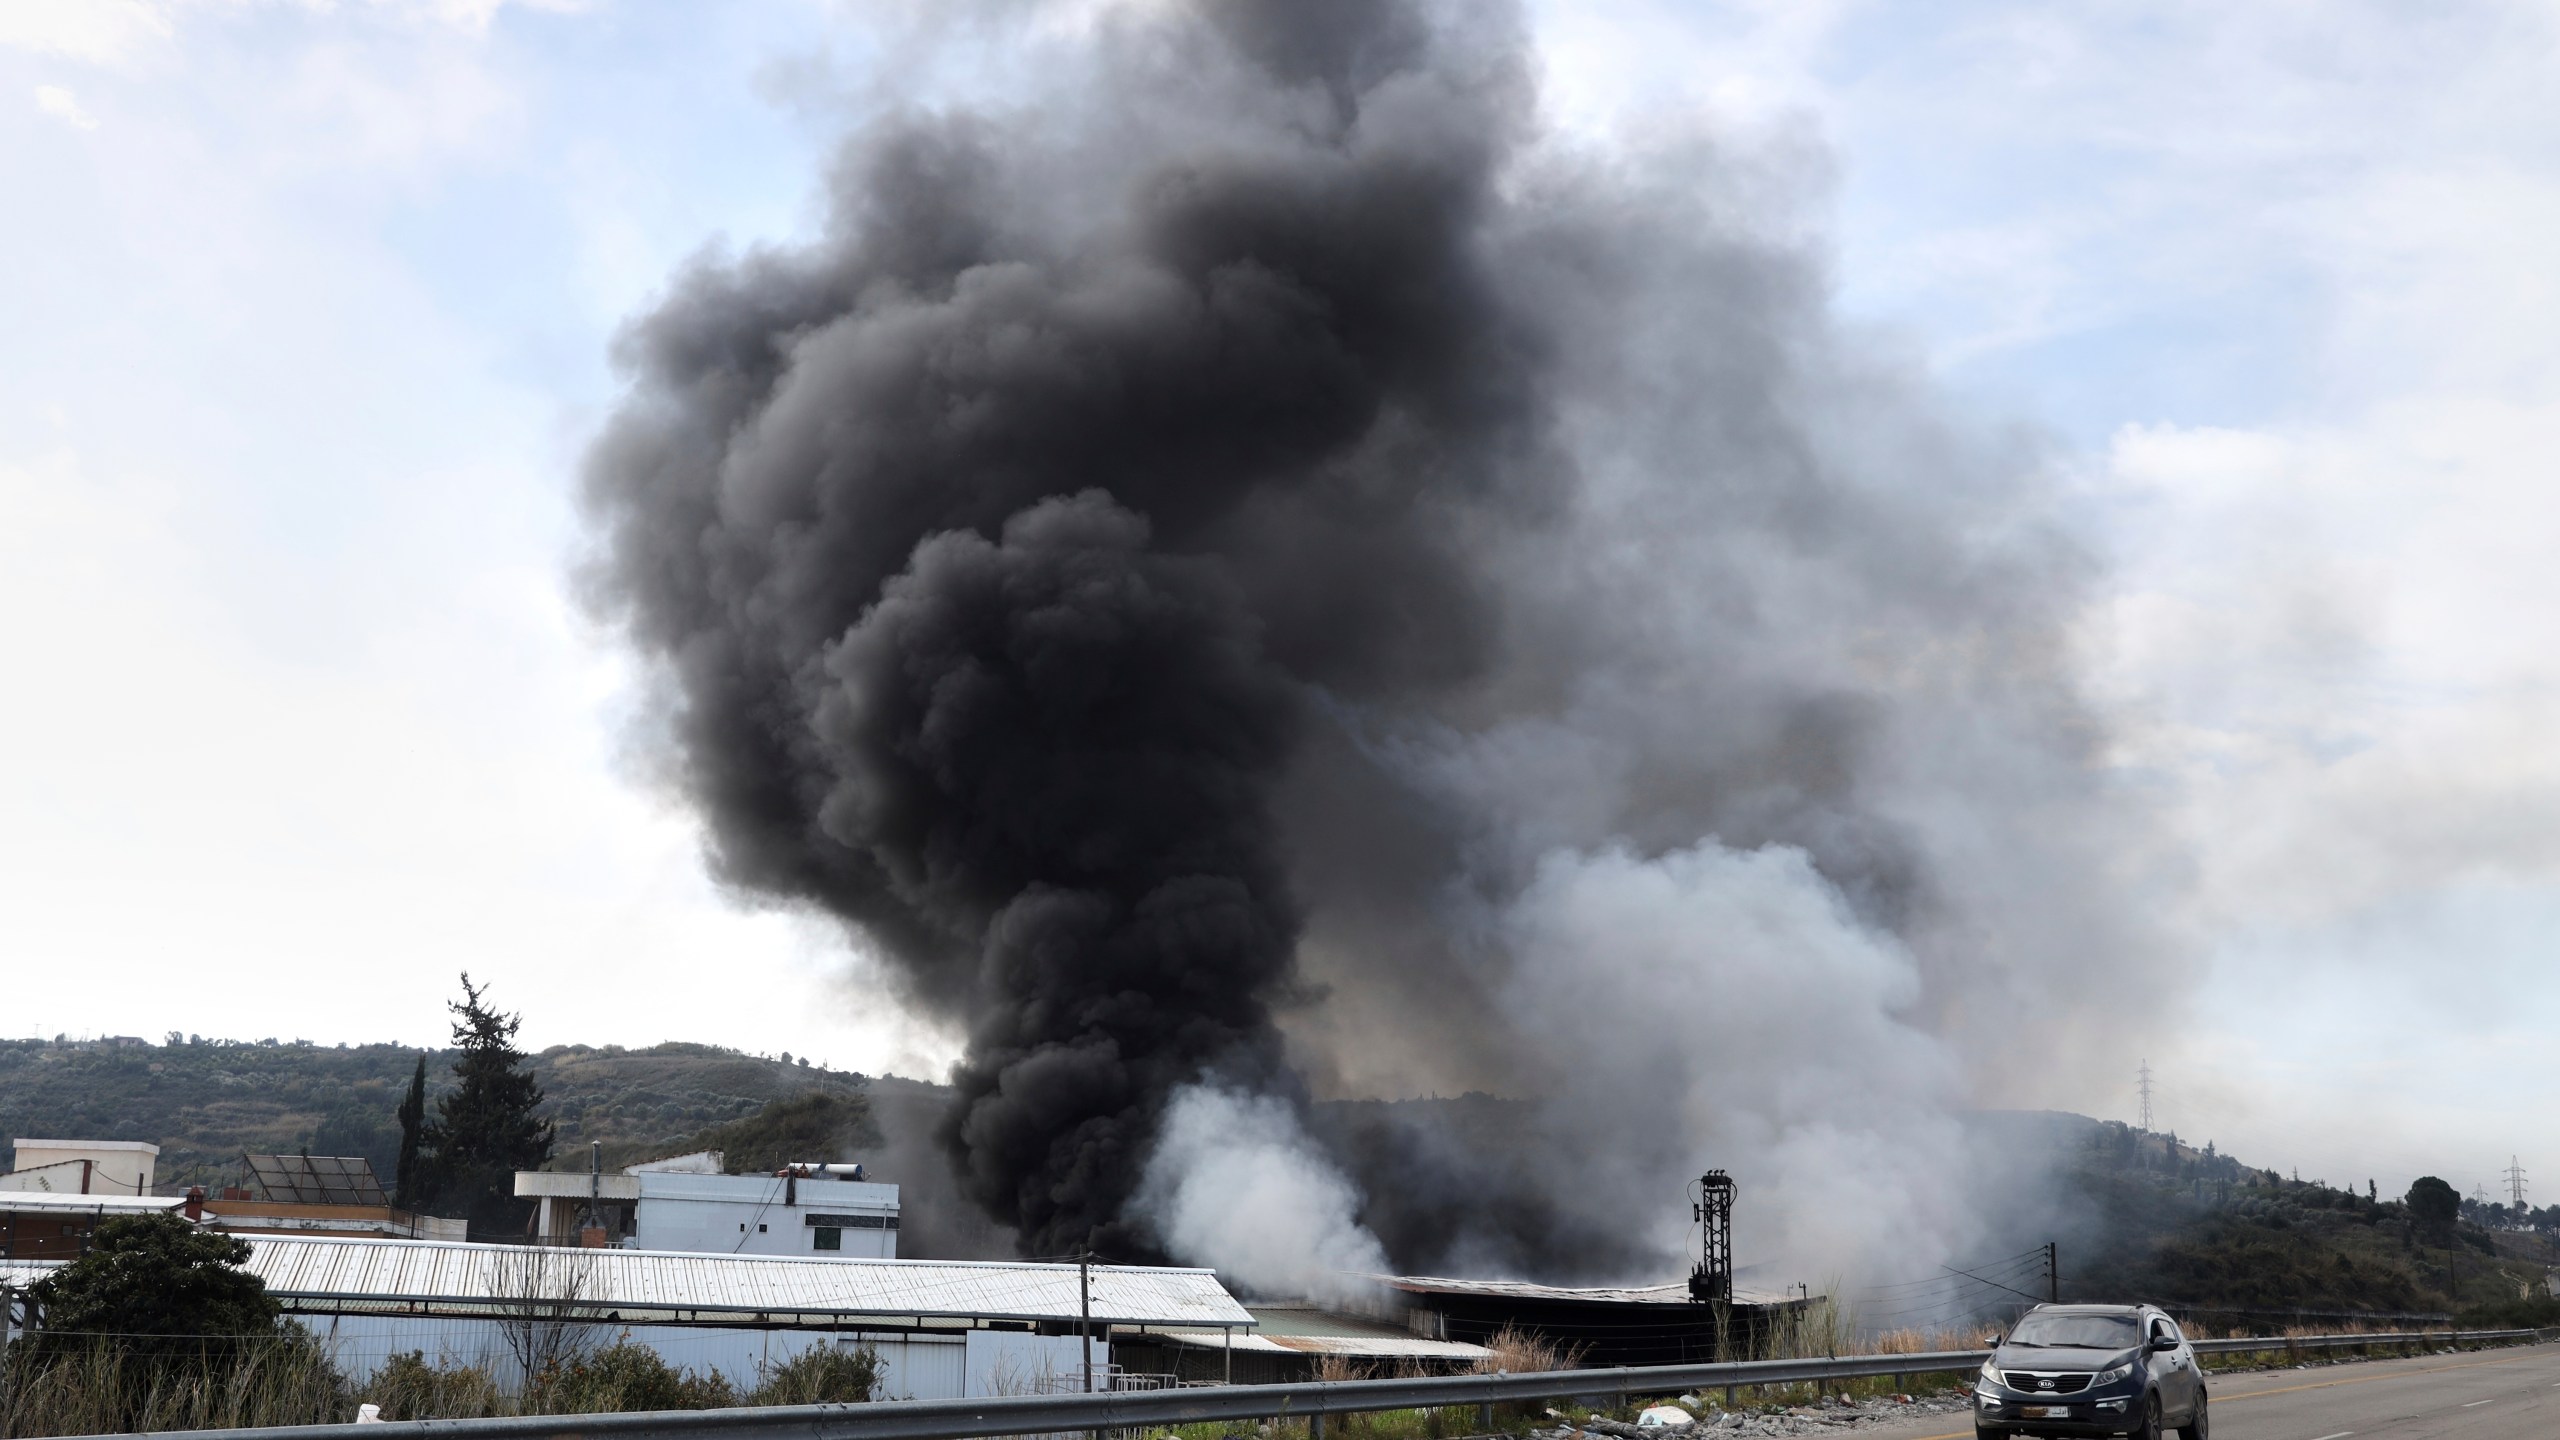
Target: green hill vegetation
{"type": "Point", "coordinates": [2217, 1240]}
{"type": "Point", "coordinates": [2139, 1216]}
{"type": "Point", "coordinates": [206, 1101]}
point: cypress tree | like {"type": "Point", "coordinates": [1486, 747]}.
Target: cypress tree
{"type": "Point", "coordinates": [485, 1128]}
{"type": "Point", "coordinates": [406, 1180]}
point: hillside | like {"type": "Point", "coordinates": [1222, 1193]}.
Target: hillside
{"type": "Point", "coordinates": [205, 1101]}
{"type": "Point", "coordinates": [2211, 1237]}
{"type": "Point", "coordinates": [2137, 1216]}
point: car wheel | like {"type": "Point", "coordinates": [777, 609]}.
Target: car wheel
{"type": "Point", "coordinates": [1985, 1432]}
{"type": "Point", "coordinates": [2150, 1418]}
{"type": "Point", "coordinates": [2199, 1424]}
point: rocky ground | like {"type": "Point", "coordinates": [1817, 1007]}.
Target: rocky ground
{"type": "Point", "coordinates": [1822, 1417]}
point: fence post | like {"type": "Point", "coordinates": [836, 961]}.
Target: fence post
{"type": "Point", "coordinates": [1315, 1426]}
{"type": "Point", "coordinates": [1484, 1417]}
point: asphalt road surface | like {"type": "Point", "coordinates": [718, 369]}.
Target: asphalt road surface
{"type": "Point", "coordinates": [2475, 1395]}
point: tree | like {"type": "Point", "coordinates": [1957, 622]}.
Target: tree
{"type": "Point", "coordinates": [164, 1288]}
{"type": "Point", "coordinates": [2434, 1204]}
{"type": "Point", "coordinates": [413, 1129]}
{"type": "Point", "coordinates": [814, 1125]}
{"type": "Point", "coordinates": [485, 1128]}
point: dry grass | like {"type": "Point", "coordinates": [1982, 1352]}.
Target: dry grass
{"type": "Point", "coordinates": [106, 1389]}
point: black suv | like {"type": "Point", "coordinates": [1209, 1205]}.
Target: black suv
{"type": "Point", "coordinates": [2091, 1370]}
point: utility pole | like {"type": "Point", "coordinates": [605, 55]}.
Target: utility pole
{"type": "Point", "coordinates": [1084, 1289]}
{"type": "Point", "coordinates": [2144, 1085]}
{"type": "Point", "coordinates": [2515, 1183]}
{"type": "Point", "coordinates": [1712, 1282]}
{"type": "Point", "coordinates": [2052, 1273]}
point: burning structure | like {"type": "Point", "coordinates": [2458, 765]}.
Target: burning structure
{"type": "Point", "coordinates": [1252, 566]}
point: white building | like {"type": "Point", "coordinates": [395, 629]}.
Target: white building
{"type": "Point", "coordinates": [686, 1204]}
{"type": "Point", "coordinates": [83, 1167]}
{"type": "Point", "coordinates": [942, 1329]}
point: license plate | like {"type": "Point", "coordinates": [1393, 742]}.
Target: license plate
{"type": "Point", "coordinates": [2045, 1412]}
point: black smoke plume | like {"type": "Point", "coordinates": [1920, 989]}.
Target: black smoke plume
{"type": "Point", "coordinates": [995, 560]}
{"type": "Point", "coordinates": [1232, 565]}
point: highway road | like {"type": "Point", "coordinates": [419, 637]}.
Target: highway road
{"type": "Point", "coordinates": [2476, 1395]}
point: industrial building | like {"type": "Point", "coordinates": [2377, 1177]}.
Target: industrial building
{"type": "Point", "coordinates": [942, 1329]}
{"type": "Point", "coordinates": [826, 1212]}
{"type": "Point", "coordinates": [1291, 1343]}
{"type": "Point", "coordinates": [1596, 1325]}
{"type": "Point", "coordinates": [51, 1226]}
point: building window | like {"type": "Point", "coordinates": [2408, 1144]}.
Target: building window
{"type": "Point", "coordinates": [759, 1229]}
{"type": "Point", "coordinates": [826, 1237]}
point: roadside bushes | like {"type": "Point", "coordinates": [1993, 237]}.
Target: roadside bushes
{"type": "Point", "coordinates": [408, 1388]}
{"type": "Point", "coordinates": [158, 1327]}
{"type": "Point", "coordinates": [625, 1376]}
{"type": "Point", "coordinates": [103, 1387]}
{"type": "Point", "coordinates": [821, 1375]}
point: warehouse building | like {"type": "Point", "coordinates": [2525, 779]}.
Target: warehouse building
{"type": "Point", "coordinates": [1600, 1325]}
{"type": "Point", "coordinates": [942, 1329]}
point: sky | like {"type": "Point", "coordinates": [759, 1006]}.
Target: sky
{"type": "Point", "coordinates": [306, 316]}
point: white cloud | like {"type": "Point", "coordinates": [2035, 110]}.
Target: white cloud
{"type": "Point", "coordinates": [94, 30]}
{"type": "Point", "coordinates": [62, 105]}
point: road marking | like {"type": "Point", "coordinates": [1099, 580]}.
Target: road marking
{"type": "Point", "coordinates": [2472, 1404]}
{"type": "Point", "coordinates": [2341, 1435]}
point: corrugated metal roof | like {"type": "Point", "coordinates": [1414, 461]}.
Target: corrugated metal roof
{"type": "Point", "coordinates": [1676, 1293]}
{"type": "Point", "coordinates": [19, 1274]}
{"type": "Point", "coordinates": [1358, 1347]}
{"type": "Point", "coordinates": [631, 1283]}
{"type": "Point", "coordinates": [1316, 1320]}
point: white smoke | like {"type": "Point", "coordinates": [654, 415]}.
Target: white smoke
{"type": "Point", "coordinates": [1720, 1007]}
{"type": "Point", "coordinates": [1235, 1183]}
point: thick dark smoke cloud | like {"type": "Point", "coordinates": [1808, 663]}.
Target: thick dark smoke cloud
{"type": "Point", "coordinates": [1254, 558]}
{"type": "Point", "coordinates": [993, 559]}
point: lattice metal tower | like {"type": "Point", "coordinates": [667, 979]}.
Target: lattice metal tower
{"type": "Point", "coordinates": [2515, 1181]}
{"type": "Point", "coordinates": [1712, 1281]}
{"type": "Point", "coordinates": [2144, 1085]}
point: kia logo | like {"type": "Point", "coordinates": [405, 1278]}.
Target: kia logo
{"type": "Point", "coordinates": [2044, 1384]}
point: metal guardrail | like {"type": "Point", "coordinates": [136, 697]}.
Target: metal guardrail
{"type": "Point", "coordinates": [2259, 1344]}
{"type": "Point", "coordinates": [1125, 1410]}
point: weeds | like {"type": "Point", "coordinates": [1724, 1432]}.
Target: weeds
{"type": "Point", "coordinates": [105, 1387]}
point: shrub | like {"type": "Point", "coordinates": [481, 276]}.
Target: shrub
{"type": "Point", "coordinates": [159, 1284]}
{"type": "Point", "coordinates": [626, 1376]}
{"type": "Point", "coordinates": [821, 1375]}
{"type": "Point", "coordinates": [408, 1388]}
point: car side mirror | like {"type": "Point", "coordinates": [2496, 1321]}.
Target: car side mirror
{"type": "Point", "coordinates": [2164, 1342]}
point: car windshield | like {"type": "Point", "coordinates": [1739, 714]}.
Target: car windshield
{"type": "Point", "coordinates": [2097, 1332]}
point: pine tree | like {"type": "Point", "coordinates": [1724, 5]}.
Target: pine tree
{"type": "Point", "coordinates": [485, 1128]}
{"type": "Point", "coordinates": [413, 1129]}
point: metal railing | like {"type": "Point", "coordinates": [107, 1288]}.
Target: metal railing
{"type": "Point", "coordinates": [2265, 1344]}
{"type": "Point", "coordinates": [1123, 1410]}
